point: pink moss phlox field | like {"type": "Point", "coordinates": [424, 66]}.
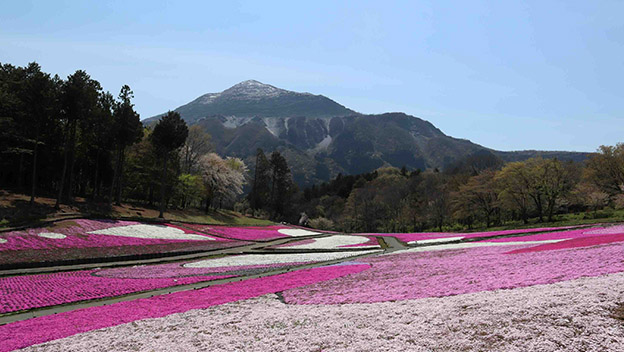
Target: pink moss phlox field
{"type": "Point", "coordinates": [35, 291]}
{"type": "Point", "coordinates": [245, 233]}
{"type": "Point", "coordinates": [609, 230]}
{"type": "Point", "coordinates": [38, 330]}
{"type": "Point", "coordinates": [418, 236]}
{"type": "Point", "coordinates": [558, 235]}
{"type": "Point", "coordinates": [451, 272]}
{"type": "Point", "coordinates": [573, 243]}
{"type": "Point", "coordinates": [78, 236]}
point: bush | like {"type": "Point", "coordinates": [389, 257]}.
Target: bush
{"type": "Point", "coordinates": [601, 214]}
{"type": "Point", "coordinates": [321, 223]}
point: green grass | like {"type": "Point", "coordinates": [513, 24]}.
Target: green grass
{"type": "Point", "coordinates": [221, 217]}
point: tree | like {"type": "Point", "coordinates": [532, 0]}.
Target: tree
{"type": "Point", "coordinates": [555, 179]}
{"type": "Point", "coordinates": [100, 133]}
{"type": "Point", "coordinates": [477, 198]}
{"type": "Point", "coordinates": [79, 100]}
{"type": "Point", "coordinates": [282, 186]}
{"type": "Point", "coordinates": [606, 169]}
{"type": "Point", "coordinates": [223, 179]}
{"type": "Point", "coordinates": [436, 196]}
{"type": "Point", "coordinates": [515, 185]}
{"type": "Point", "coordinates": [190, 189]}
{"type": "Point", "coordinates": [127, 130]}
{"type": "Point", "coordinates": [169, 135]}
{"type": "Point", "coordinates": [197, 144]}
{"type": "Point", "coordinates": [589, 195]}
{"type": "Point", "coordinates": [259, 196]}
{"type": "Point", "coordinates": [39, 96]}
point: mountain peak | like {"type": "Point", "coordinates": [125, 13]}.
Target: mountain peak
{"type": "Point", "coordinates": [252, 89]}
{"type": "Point", "coordinates": [252, 98]}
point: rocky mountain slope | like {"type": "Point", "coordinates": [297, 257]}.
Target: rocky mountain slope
{"type": "Point", "coordinates": [321, 138]}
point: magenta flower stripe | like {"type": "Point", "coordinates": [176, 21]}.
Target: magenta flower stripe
{"type": "Point", "coordinates": [36, 291]}
{"type": "Point", "coordinates": [573, 243]}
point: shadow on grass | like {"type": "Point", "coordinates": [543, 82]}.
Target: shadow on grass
{"type": "Point", "coordinates": [20, 212]}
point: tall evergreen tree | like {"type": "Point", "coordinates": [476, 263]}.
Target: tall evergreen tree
{"type": "Point", "coordinates": [169, 135]}
{"type": "Point", "coordinates": [282, 186]}
{"type": "Point", "coordinates": [79, 99]}
{"type": "Point", "coordinates": [259, 196]}
{"type": "Point", "coordinates": [127, 131]}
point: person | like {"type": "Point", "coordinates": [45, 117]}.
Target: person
{"type": "Point", "coordinates": [303, 220]}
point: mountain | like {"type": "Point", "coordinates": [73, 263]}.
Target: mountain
{"type": "Point", "coordinates": [321, 138]}
{"type": "Point", "coordinates": [254, 99]}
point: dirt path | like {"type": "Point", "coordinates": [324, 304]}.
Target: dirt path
{"type": "Point", "coordinates": [250, 248]}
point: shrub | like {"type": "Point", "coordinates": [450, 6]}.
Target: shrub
{"type": "Point", "coordinates": [321, 223]}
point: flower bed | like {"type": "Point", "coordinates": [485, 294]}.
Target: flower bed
{"type": "Point", "coordinates": [81, 239]}
{"type": "Point", "coordinates": [178, 270]}
{"type": "Point", "coordinates": [333, 242]}
{"type": "Point", "coordinates": [84, 233]}
{"type": "Point", "coordinates": [558, 235]}
{"type": "Point", "coordinates": [609, 230]}
{"type": "Point", "coordinates": [253, 233]}
{"type": "Point", "coordinates": [37, 330]}
{"type": "Point", "coordinates": [570, 316]}
{"type": "Point", "coordinates": [451, 272]}
{"type": "Point", "coordinates": [573, 243]}
{"type": "Point", "coordinates": [63, 254]}
{"type": "Point", "coordinates": [36, 291]}
{"type": "Point", "coordinates": [269, 259]}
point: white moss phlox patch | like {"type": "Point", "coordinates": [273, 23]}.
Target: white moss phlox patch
{"type": "Point", "coordinates": [437, 240]}
{"type": "Point", "coordinates": [265, 259]}
{"type": "Point", "coordinates": [297, 232]}
{"type": "Point", "coordinates": [2, 240]}
{"type": "Point", "coordinates": [151, 231]}
{"type": "Point", "coordinates": [447, 246]}
{"type": "Point", "coordinates": [335, 241]}
{"type": "Point", "coordinates": [54, 235]}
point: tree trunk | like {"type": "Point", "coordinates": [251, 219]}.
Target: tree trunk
{"type": "Point", "coordinates": [73, 163]}
{"type": "Point", "coordinates": [63, 173]}
{"type": "Point", "coordinates": [150, 200]}
{"type": "Point", "coordinates": [551, 210]}
{"type": "Point", "coordinates": [20, 171]}
{"type": "Point", "coordinates": [162, 188]}
{"type": "Point", "coordinates": [33, 186]}
{"type": "Point", "coordinates": [111, 192]}
{"type": "Point", "coordinates": [122, 157]}
{"type": "Point", "coordinates": [96, 174]}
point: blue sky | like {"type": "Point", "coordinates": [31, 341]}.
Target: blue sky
{"type": "Point", "coordinates": [508, 75]}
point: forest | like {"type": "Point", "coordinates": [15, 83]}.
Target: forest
{"type": "Point", "coordinates": [67, 138]}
